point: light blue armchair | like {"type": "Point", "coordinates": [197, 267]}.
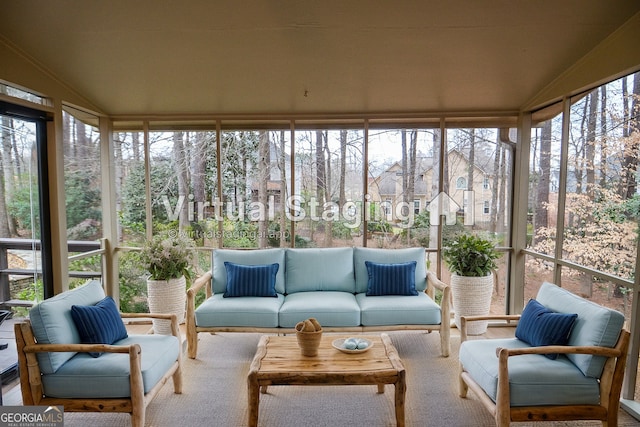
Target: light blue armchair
{"type": "Point", "coordinates": [566, 362]}
{"type": "Point", "coordinates": [60, 363]}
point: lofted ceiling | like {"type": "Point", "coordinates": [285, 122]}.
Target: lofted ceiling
{"type": "Point", "coordinates": [157, 57]}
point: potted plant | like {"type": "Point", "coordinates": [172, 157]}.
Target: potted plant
{"type": "Point", "coordinates": [167, 259]}
{"type": "Point", "coordinates": [471, 260]}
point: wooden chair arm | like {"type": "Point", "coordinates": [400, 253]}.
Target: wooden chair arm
{"type": "Point", "coordinates": [198, 284]}
{"type": "Point", "coordinates": [507, 317]}
{"type": "Point", "coordinates": [561, 349]}
{"type": "Point", "coordinates": [465, 319]}
{"type": "Point", "coordinates": [81, 348]}
{"type": "Point", "coordinates": [175, 329]}
{"type": "Point", "coordinates": [192, 335]}
{"type": "Point", "coordinates": [432, 280]}
{"type": "Point", "coordinates": [165, 316]}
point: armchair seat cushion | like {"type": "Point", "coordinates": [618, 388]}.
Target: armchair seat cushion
{"type": "Point", "coordinates": [534, 379]}
{"type": "Point", "coordinates": [330, 308]}
{"type": "Point", "coordinates": [218, 311]}
{"type": "Point", "coordinates": [398, 310]}
{"type": "Point", "coordinates": [83, 376]}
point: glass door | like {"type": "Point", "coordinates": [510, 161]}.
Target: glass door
{"type": "Point", "coordinates": [25, 268]}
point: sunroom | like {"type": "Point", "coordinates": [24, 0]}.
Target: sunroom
{"type": "Point", "coordinates": [301, 124]}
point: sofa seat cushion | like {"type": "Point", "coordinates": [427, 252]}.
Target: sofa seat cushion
{"type": "Point", "coordinates": [329, 308]}
{"type": "Point", "coordinates": [218, 311]}
{"type": "Point", "coordinates": [320, 269]}
{"type": "Point", "coordinates": [533, 379]}
{"type": "Point", "coordinates": [596, 325]}
{"type": "Point", "coordinates": [83, 376]}
{"type": "Point", "coordinates": [388, 256]}
{"type": "Point", "coordinates": [246, 257]}
{"type": "Point", "coordinates": [52, 323]}
{"type": "Point", "coordinates": [398, 310]}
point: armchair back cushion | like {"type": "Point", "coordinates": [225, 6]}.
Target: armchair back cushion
{"type": "Point", "coordinates": [52, 323]}
{"type": "Point", "coordinates": [248, 257]}
{"type": "Point", "coordinates": [595, 326]}
{"type": "Point", "coordinates": [320, 269]}
{"type": "Point", "coordinates": [389, 256]}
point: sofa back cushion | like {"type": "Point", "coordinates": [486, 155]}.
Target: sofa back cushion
{"type": "Point", "coordinates": [246, 257]}
{"type": "Point", "coordinates": [596, 325]}
{"type": "Point", "coordinates": [320, 269]}
{"type": "Point", "coordinates": [52, 323]}
{"type": "Point", "coordinates": [389, 256]}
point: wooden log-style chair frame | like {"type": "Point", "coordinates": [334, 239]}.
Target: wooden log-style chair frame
{"type": "Point", "coordinates": [610, 382]}
{"type": "Point", "coordinates": [135, 404]}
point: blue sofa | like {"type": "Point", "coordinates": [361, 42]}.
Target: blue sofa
{"type": "Point", "coordinates": [330, 284]}
{"type": "Point", "coordinates": [577, 375]}
{"type": "Point", "coordinates": [58, 367]}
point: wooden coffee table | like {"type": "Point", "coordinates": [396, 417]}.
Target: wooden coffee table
{"type": "Point", "coordinates": [278, 362]}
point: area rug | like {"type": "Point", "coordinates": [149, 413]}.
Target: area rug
{"type": "Point", "coordinates": [215, 393]}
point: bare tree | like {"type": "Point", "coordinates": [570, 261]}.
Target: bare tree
{"type": "Point", "coordinates": [181, 172]}
{"type": "Point", "coordinates": [282, 166]}
{"type": "Point", "coordinates": [409, 155]}
{"type": "Point", "coordinates": [541, 215]}
{"type": "Point", "coordinates": [264, 175]}
{"type": "Point", "coordinates": [631, 153]}
{"type": "Point", "coordinates": [590, 148]}
{"type": "Point", "coordinates": [7, 228]}
{"type": "Point", "coordinates": [343, 167]}
{"type": "Point", "coordinates": [199, 150]}
{"type": "Point", "coordinates": [472, 159]}
{"type": "Point", "coordinates": [320, 167]}
{"type": "Point", "coordinates": [603, 139]}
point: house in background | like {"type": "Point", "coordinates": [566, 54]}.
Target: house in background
{"type": "Point", "coordinates": [475, 201]}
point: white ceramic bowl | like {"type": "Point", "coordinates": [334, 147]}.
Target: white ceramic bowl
{"type": "Point", "coordinates": [339, 345]}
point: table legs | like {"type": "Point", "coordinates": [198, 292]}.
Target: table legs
{"type": "Point", "coordinates": [254, 400]}
{"type": "Point", "coordinates": [400, 391]}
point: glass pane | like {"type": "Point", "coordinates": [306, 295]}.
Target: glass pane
{"type": "Point", "coordinates": [22, 94]}
{"type": "Point", "coordinates": [130, 209]}
{"type": "Point", "coordinates": [183, 184]}
{"type": "Point", "coordinates": [478, 179]}
{"type": "Point", "coordinates": [601, 227]}
{"type": "Point", "coordinates": [130, 187]}
{"type": "Point", "coordinates": [544, 174]}
{"type": "Point", "coordinates": [327, 205]}
{"type": "Point", "coordinates": [403, 181]}
{"type": "Point", "coordinates": [83, 191]}
{"type": "Point", "coordinates": [20, 215]}
{"type": "Point", "coordinates": [255, 186]}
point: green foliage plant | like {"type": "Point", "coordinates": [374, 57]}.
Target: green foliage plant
{"type": "Point", "coordinates": [470, 255]}
{"type": "Point", "coordinates": [167, 257]}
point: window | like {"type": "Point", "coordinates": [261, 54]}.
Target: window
{"type": "Point", "coordinates": [598, 225]}
{"type": "Point", "coordinates": [461, 183]}
{"type": "Point", "coordinates": [486, 207]}
{"type": "Point", "coordinates": [25, 215]}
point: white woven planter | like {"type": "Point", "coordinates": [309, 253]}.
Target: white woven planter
{"type": "Point", "coordinates": [167, 296]}
{"type": "Point", "coordinates": [472, 297]}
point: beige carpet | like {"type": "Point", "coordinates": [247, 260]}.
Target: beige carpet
{"type": "Point", "coordinates": [215, 393]}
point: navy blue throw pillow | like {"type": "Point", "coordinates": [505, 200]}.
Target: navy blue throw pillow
{"type": "Point", "coordinates": [391, 279]}
{"type": "Point", "coordinates": [99, 324]}
{"type": "Point", "coordinates": [251, 280]}
{"type": "Point", "coordinates": [540, 326]}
